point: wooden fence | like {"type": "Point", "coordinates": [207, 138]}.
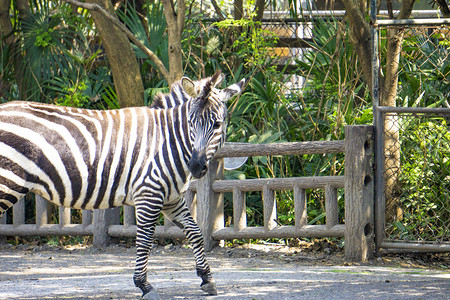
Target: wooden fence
{"type": "Point", "coordinates": [206, 200]}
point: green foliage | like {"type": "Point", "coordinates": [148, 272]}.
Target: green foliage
{"type": "Point", "coordinates": [253, 44]}
{"type": "Point", "coordinates": [8, 88]}
{"type": "Point", "coordinates": [45, 43]}
{"type": "Point", "coordinates": [424, 80]}
{"type": "Point", "coordinates": [237, 47]}
{"type": "Point", "coordinates": [59, 67]}
{"type": "Point", "coordinates": [425, 180]}
{"type": "Point", "coordinates": [151, 31]}
{"type": "Point", "coordinates": [334, 94]}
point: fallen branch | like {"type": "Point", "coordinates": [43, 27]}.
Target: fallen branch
{"type": "Point", "coordinates": [153, 57]}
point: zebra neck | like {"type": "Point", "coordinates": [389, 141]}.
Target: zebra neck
{"type": "Point", "coordinates": [187, 139]}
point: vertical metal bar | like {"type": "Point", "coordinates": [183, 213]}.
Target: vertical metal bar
{"type": "Point", "coordinates": [378, 123]}
{"type": "Point", "coordinates": [375, 59]}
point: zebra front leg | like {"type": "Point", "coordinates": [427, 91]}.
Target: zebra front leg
{"type": "Point", "coordinates": [181, 217]}
{"type": "Point", "coordinates": [146, 222]}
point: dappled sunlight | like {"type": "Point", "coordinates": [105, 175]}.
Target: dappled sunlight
{"type": "Point", "coordinates": [244, 275]}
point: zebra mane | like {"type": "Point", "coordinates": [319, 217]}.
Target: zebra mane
{"type": "Point", "coordinates": [177, 95]}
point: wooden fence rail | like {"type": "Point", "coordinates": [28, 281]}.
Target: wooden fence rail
{"type": "Point", "coordinates": [206, 200]}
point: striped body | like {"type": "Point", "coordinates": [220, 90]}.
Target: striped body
{"type": "Point", "coordinates": [134, 156]}
{"type": "Point", "coordinates": [90, 159]}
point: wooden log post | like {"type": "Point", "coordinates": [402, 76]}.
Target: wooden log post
{"type": "Point", "coordinates": [210, 204]}
{"type": "Point", "coordinates": [19, 212]}
{"type": "Point", "coordinates": [64, 216]}
{"type": "Point", "coordinates": [239, 210]}
{"type": "Point", "coordinates": [101, 221]}
{"type": "Point", "coordinates": [359, 193]}
{"type": "Point", "coordinates": [300, 208]}
{"type": "Point", "coordinates": [331, 206]}
{"type": "Point", "coordinates": [129, 216]}
{"type": "Point", "coordinates": [86, 217]}
{"type": "Point", "coordinates": [191, 201]}
{"type": "Point", "coordinates": [270, 208]}
{"type": "Point", "coordinates": [42, 206]}
{"type": "Point", "coordinates": [3, 221]}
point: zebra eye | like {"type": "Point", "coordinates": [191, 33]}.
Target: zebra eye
{"type": "Point", "coordinates": [217, 125]}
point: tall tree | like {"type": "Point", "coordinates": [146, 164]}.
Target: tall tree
{"type": "Point", "coordinates": [124, 67]}
{"type": "Point", "coordinates": [10, 38]}
{"type": "Point", "coordinates": [175, 17]}
{"type": "Point", "coordinates": [361, 40]}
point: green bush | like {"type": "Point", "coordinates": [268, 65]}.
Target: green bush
{"type": "Point", "coordinates": [424, 181]}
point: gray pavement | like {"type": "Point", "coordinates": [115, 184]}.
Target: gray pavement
{"type": "Point", "coordinates": [33, 273]}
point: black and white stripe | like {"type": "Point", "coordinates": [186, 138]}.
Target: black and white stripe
{"type": "Point", "coordinates": [134, 156]}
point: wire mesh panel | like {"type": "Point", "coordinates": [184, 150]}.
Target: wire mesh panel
{"type": "Point", "coordinates": [417, 177]}
{"type": "Point", "coordinates": [424, 65]}
{"type": "Point", "coordinates": [413, 152]}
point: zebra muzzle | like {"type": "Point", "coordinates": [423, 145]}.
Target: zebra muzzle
{"type": "Point", "coordinates": [198, 164]}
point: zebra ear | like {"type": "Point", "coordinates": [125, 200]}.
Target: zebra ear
{"type": "Point", "coordinates": [189, 87]}
{"type": "Point", "coordinates": [232, 90]}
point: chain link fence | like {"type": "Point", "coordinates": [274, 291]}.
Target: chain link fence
{"type": "Point", "coordinates": [424, 66]}
{"type": "Point", "coordinates": [417, 141]}
{"type": "Point", "coordinates": [417, 177]}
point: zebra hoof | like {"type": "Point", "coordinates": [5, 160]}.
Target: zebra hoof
{"type": "Point", "coordinates": [152, 295]}
{"type": "Point", "coordinates": [209, 288]}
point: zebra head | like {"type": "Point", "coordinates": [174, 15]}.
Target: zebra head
{"type": "Point", "coordinates": [207, 117]}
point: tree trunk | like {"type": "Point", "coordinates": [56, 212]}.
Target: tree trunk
{"type": "Point", "coordinates": [388, 96]}
{"type": "Point", "coordinates": [238, 12]}
{"type": "Point", "coordinates": [360, 37]}
{"type": "Point", "coordinates": [175, 25]}
{"type": "Point", "coordinates": [124, 67]}
{"type": "Point", "coordinates": [6, 30]}
{"type": "Point", "coordinates": [259, 10]}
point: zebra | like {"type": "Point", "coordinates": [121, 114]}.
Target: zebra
{"type": "Point", "coordinates": [142, 156]}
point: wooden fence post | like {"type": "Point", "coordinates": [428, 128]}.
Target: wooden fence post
{"type": "Point", "coordinates": [129, 216]}
{"type": "Point", "coordinates": [42, 206]}
{"type": "Point", "coordinates": [3, 220]}
{"type": "Point", "coordinates": [86, 217]}
{"type": "Point", "coordinates": [239, 210]}
{"type": "Point", "coordinates": [331, 206]}
{"type": "Point", "coordinates": [270, 208]}
{"type": "Point", "coordinates": [19, 212]}
{"type": "Point", "coordinates": [210, 204]}
{"type": "Point", "coordinates": [359, 193]}
{"type": "Point", "coordinates": [101, 221]}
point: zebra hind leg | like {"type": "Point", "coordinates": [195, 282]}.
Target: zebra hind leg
{"type": "Point", "coordinates": [144, 240]}
{"type": "Point", "coordinates": [182, 218]}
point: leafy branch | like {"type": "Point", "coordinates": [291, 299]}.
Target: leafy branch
{"type": "Point", "coordinates": [153, 57]}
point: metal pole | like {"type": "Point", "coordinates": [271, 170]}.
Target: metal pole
{"type": "Point", "coordinates": [413, 22]}
{"type": "Point", "coordinates": [378, 123]}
